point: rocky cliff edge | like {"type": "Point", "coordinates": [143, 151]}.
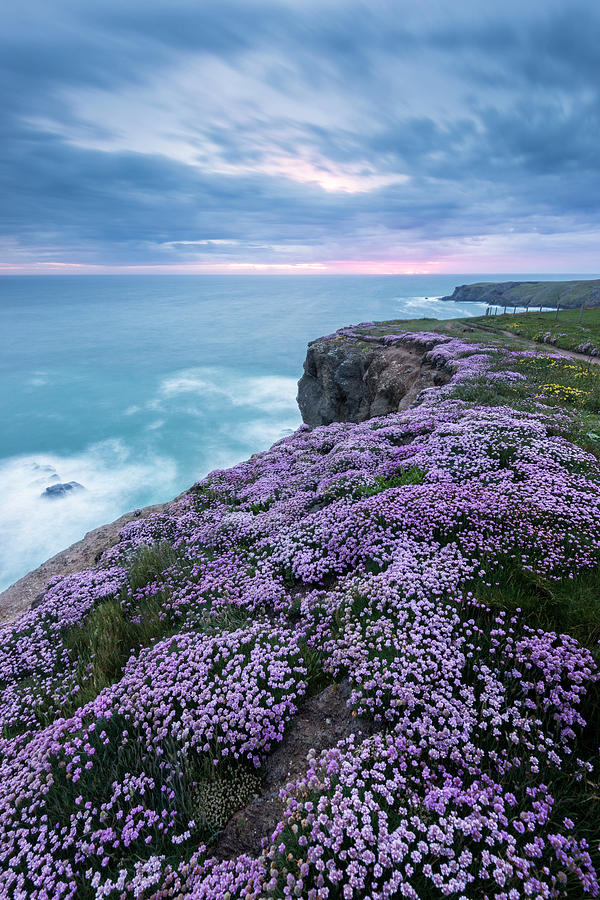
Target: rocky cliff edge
{"type": "Point", "coordinates": [372, 375]}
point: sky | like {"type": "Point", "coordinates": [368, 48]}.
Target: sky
{"type": "Point", "coordinates": [317, 136]}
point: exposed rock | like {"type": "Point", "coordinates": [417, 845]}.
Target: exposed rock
{"type": "Point", "coordinates": [38, 601]}
{"type": "Point", "coordinates": [62, 489]}
{"type": "Point", "coordinates": [346, 382]}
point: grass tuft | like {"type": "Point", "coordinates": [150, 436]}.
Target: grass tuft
{"type": "Point", "coordinates": [412, 475]}
{"type": "Point", "coordinates": [149, 563]}
{"type": "Point", "coordinates": [104, 642]}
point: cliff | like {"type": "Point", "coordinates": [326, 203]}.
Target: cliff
{"type": "Point", "coordinates": [351, 382]}
{"type": "Point", "coordinates": [342, 382]}
{"type": "Point", "coordinates": [566, 294]}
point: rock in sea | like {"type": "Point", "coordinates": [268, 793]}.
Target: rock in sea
{"type": "Point", "coordinates": [62, 489]}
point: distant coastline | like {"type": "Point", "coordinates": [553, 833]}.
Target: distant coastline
{"type": "Point", "coordinates": [548, 294]}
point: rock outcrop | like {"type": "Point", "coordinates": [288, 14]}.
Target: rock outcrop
{"type": "Point", "coordinates": [346, 382]}
{"type": "Point", "coordinates": [62, 489]}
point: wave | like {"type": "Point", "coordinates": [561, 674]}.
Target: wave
{"type": "Point", "coordinates": [269, 393]}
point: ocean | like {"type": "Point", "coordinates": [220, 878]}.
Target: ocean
{"type": "Point", "coordinates": [136, 386]}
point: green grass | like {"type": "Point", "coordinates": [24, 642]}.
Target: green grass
{"type": "Point", "coordinates": [316, 677]}
{"type": "Point", "coordinates": [565, 330]}
{"type": "Point", "coordinates": [585, 432]}
{"type": "Point", "coordinates": [472, 330]}
{"type": "Point", "coordinates": [106, 639]}
{"type": "Point", "coordinates": [563, 382]}
{"type": "Point", "coordinates": [113, 630]}
{"type": "Point", "coordinates": [567, 294]}
{"type": "Point", "coordinates": [264, 505]}
{"type": "Point", "coordinates": [149, 562]}
{"type": "Point", "coordinates": [568, 606]}
{"type": "Point", "coordinates": [412, 475]}
{"type": "Point", "coordinates": [345, 487]}
{"type": "Point", "coordinates": [462, 327]}
{"type": "Point", "coordinates": [482, 392]}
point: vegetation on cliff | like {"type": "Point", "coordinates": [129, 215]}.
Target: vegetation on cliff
{"type": "Point", "coordinates": [439, 567]}
{"type": "Point", "coordinates": [566, 294]}
{"type": "Point", "coordinates": [575, 330]}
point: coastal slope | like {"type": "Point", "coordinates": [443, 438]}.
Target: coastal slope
{"type": "Point", "coordinates": [30, 588]}
{"type": "Point", "coordinates": [362, 663]}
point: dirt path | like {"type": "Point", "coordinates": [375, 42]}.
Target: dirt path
{"type": "Point", "coordinates": [569, 354]}
{"type": "Point", "coordinates": [321, 723]}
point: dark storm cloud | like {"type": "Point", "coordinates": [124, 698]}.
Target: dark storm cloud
{"type": "Point", "coordinates": [293, 130]}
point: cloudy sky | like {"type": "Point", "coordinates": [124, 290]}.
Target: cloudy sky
{"type": "Point", "coordinates": [300, 135]}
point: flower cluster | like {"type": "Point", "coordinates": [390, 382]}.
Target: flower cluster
{"type": "Point", "coordinates": [387, 818]}
{"type": "Point", "coordinates": [392, 555]}
{"type": "Point", "coordinates": [37, 669]}
{"type": "Point", "coordinates": [588, 348]}
{"type": "Point", "coordinates": [186, 700]}
{"type": "Point", "coordinates": [565, 392]}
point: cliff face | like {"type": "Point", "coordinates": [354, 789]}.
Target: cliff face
{"type": "Point", "coordinates": [343, 382]}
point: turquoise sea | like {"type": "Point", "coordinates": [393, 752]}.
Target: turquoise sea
{"type": "Point", "coordinates": [136, 386]}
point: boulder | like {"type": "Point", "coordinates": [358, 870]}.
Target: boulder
{"type": "Point", "coordinates": [62, 490]}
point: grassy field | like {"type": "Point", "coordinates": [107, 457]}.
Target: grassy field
{"type": "Point", "coordinates": [472, 330]}
{"type": "Point", "coordinates": [538, 294]}
{"type": "Point", "coordinates": [570, 329]}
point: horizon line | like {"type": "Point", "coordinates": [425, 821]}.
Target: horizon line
{"type": "Point", "coordinates": [126, 272]}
